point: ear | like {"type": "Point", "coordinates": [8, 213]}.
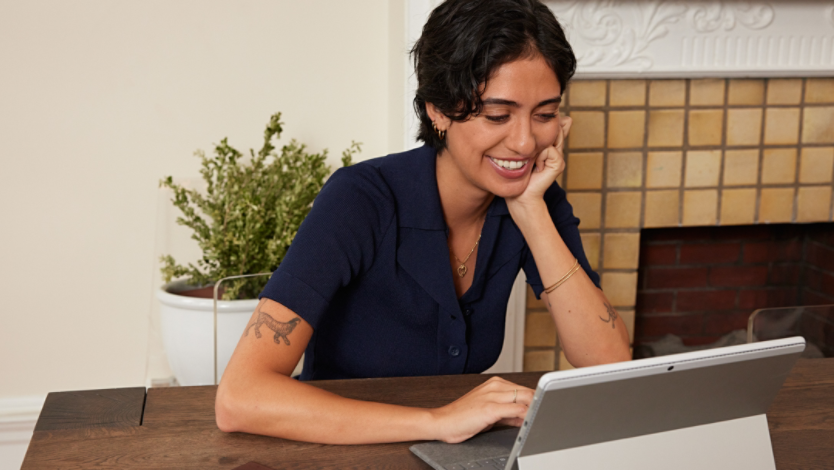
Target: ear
{"type": "Point", "coordinates": [438, 118]}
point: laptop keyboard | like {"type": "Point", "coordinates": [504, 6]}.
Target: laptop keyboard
{"type": "Point", "coordinates": [486, 464]}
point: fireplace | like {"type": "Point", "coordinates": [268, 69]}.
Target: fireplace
{"type": "Point", "coordinates": [701, 284]}
{"type": "Point", "coordinates": [700, 156]}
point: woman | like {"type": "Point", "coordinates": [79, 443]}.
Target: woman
{"type": "Point", "coordinates": [405, 264]}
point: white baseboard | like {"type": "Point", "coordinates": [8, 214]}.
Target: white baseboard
{"type": "Point", "coordinates": [18, 416]}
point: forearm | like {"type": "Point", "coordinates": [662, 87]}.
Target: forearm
{"type": "Point", "coordinates": [590, 331]}
{"type": "Point", "coordinates": [275, 405]}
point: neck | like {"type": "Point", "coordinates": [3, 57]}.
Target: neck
{"type": "Point", "coordinates": [463, 203]}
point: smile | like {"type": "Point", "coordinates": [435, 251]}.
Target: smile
{"type": "Point", "coordinates": [509, 164]}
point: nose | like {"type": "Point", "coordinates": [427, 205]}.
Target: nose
{"type": "Point", "coordinates": [521, 139]}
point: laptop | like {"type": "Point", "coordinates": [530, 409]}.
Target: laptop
{"type": "Point", "coordinates": [702, 409]}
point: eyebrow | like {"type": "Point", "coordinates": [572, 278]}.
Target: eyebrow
{"type": "Point", "coordinates": [501, 101]}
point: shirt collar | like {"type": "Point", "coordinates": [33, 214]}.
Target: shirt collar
{"type": "Point", "coordinates": [413, 180]}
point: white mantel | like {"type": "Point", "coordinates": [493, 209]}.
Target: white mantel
{"type": "Point", "coordinates": [661, 38]}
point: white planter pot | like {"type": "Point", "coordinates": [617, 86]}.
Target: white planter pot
{"type": "Point", "coordinates": [188, 332]}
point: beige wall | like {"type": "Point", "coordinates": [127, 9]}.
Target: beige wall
{"type": "Point", "coordinates": [99, 99]}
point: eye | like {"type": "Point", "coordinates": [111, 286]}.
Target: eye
{"type": "Point", "coordinates": [546, 116]}
{"type": "Point", "coordinates": [501, 118]}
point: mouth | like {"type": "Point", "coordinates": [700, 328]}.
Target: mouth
{"type": "Point", "coordinates": [510, 168]}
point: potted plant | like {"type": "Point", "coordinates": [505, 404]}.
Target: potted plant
{"type": "Point", "coordinates": [244, 223]}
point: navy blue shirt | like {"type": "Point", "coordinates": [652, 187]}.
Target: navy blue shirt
{"type": "Point", "coordinates": [369, 271]}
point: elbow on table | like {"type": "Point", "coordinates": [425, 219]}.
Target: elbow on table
{"type": "Point", "coordinates": [225, 413]}
{"type": "Point", "coordinates": [620, 355]}
{"type": "Point", "coordinates": [615, 351]}
{"type": "Point", "coordinates": [604, 355]}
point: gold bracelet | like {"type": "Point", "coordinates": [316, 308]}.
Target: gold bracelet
{"type": "Point", "coordinates": [567, 276]}
{"type": "Point", "coordinates": [575, 264]}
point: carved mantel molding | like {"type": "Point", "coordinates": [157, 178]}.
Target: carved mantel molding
{"type": "Point", "coordinates": [666, 38]}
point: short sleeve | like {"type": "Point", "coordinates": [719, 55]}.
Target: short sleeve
{"type": "Point", "coordinates": [568, 227]}
{"type": "Point", "coordinates": [336, 242]}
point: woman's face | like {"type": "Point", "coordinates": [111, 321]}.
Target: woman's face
{"type": "Point", "coordinates": [496, 150]}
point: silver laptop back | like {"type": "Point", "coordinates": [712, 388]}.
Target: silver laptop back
{"type": "Point", "coordinates": [576, 414]}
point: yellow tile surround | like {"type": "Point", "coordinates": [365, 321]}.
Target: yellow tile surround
{"type": "Point", "coordinates": [744, 126]}
{"type": "Point", "coordinates": [778, 165]}
{"type": "Point", "coordinates": [585, 170]}
{"type": "Point", "coordinates": [781, 126]}
{"type": "Point", "coordinates": [622, 250]}
{"type": "Point", "coordinates": [741, 167]}
{"type": "Point", "coordinates": [706, 92]}
{"type": "Point", "coordinates": [672, 153]}
{"type": "Point", "coordinates": [746, 92]}
{"type": "Point", "coordinates": [705, 127]}
{"type": "Point", "coordinates": [666, 127]}
{"type": "Point", "coordinates": [540, 330]}
{"type": "Point", "coordinates": [663, 169]}
{"type": "Point", "coordinates": [738, 206]}
{"type": "Point", "coordinates": [625, 170]}
{"type": "Point", "coordinates": [626, 129]}
{"type": "Point", "coordinates": [667, 93]}
{"type": "Point", "coordinates": [700, 207]}
{"type": "Point", "coordinates": [784, 91]}
{"type": "Point", "coordinates": [816, 165]}
{"type": "Point", "coordinates": [703, 168]}
{"type": "Point", "coordinates": [628, 93]}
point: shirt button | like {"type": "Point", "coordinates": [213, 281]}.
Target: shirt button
{"type": "Point", "coordinates": [468, 312]}
{"type": "Point", "coordinates": [454, 351]}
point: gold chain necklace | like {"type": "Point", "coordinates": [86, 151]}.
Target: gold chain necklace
{"type": "Point", "coordinates": [462, 267]}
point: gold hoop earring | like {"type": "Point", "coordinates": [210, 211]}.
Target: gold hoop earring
{"type": "Point", "coordinates": [440, 134]}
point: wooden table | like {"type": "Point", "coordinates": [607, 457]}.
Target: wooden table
{"type": "Point", "coordinates": [174, 427]}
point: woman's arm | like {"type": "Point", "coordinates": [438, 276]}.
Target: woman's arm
{"type": "Point", "coordinates": [256, 395]}
{"type": "Point", "coordinates": [590, 330]}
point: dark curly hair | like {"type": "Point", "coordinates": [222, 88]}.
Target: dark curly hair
{"type": "Point", "coordinates": [465, 41]}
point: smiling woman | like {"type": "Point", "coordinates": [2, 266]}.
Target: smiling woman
{"type": "Point", "coordinates": [519, 120]}
{"type": "Point", "coordinates": [405, 264]}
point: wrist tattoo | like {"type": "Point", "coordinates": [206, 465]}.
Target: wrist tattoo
{"type": "Point", "coordinates": [612, 315]}
{"type": "Point", "coordinates": [281, 329]}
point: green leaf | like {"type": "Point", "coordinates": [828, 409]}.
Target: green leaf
{"type": "Point", "coordinates": [251, 209]}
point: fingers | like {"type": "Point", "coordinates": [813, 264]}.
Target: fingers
{"type": "Point", "coordinates": [566, 122]}
{"type": "Point", "coordinates": [517, 422]}
{"type": "Point", "coordinates": [524, 396]}
{"type": "Point", "coordinates": [504, 391]}
{"type": "Point", "coordinates": [554, 155]}
{"type": "Point", "coordinates": [509, 412]}
{"type": "Point", "coordinates": [551, 157]}
{"type": "Point", "coordinates": [541, 160]}
{"type": "Point", "coordinates": [497, 383]}
{"type": "Point", "coordinates": [520, 397]}
{"type": "Point", "coordinates": [494, 401]}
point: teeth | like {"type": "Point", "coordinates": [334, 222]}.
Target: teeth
{"type": "Point", "coordinates": [509, 164]}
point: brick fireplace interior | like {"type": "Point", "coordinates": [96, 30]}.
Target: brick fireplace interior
{"type": "Point", "coordinates": [703, 283]}
{"type": "Point", "coordinates": [696, 155]}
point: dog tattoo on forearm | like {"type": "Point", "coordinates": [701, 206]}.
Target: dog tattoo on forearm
{"type": "Point", "coordinates": [280, 328]}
